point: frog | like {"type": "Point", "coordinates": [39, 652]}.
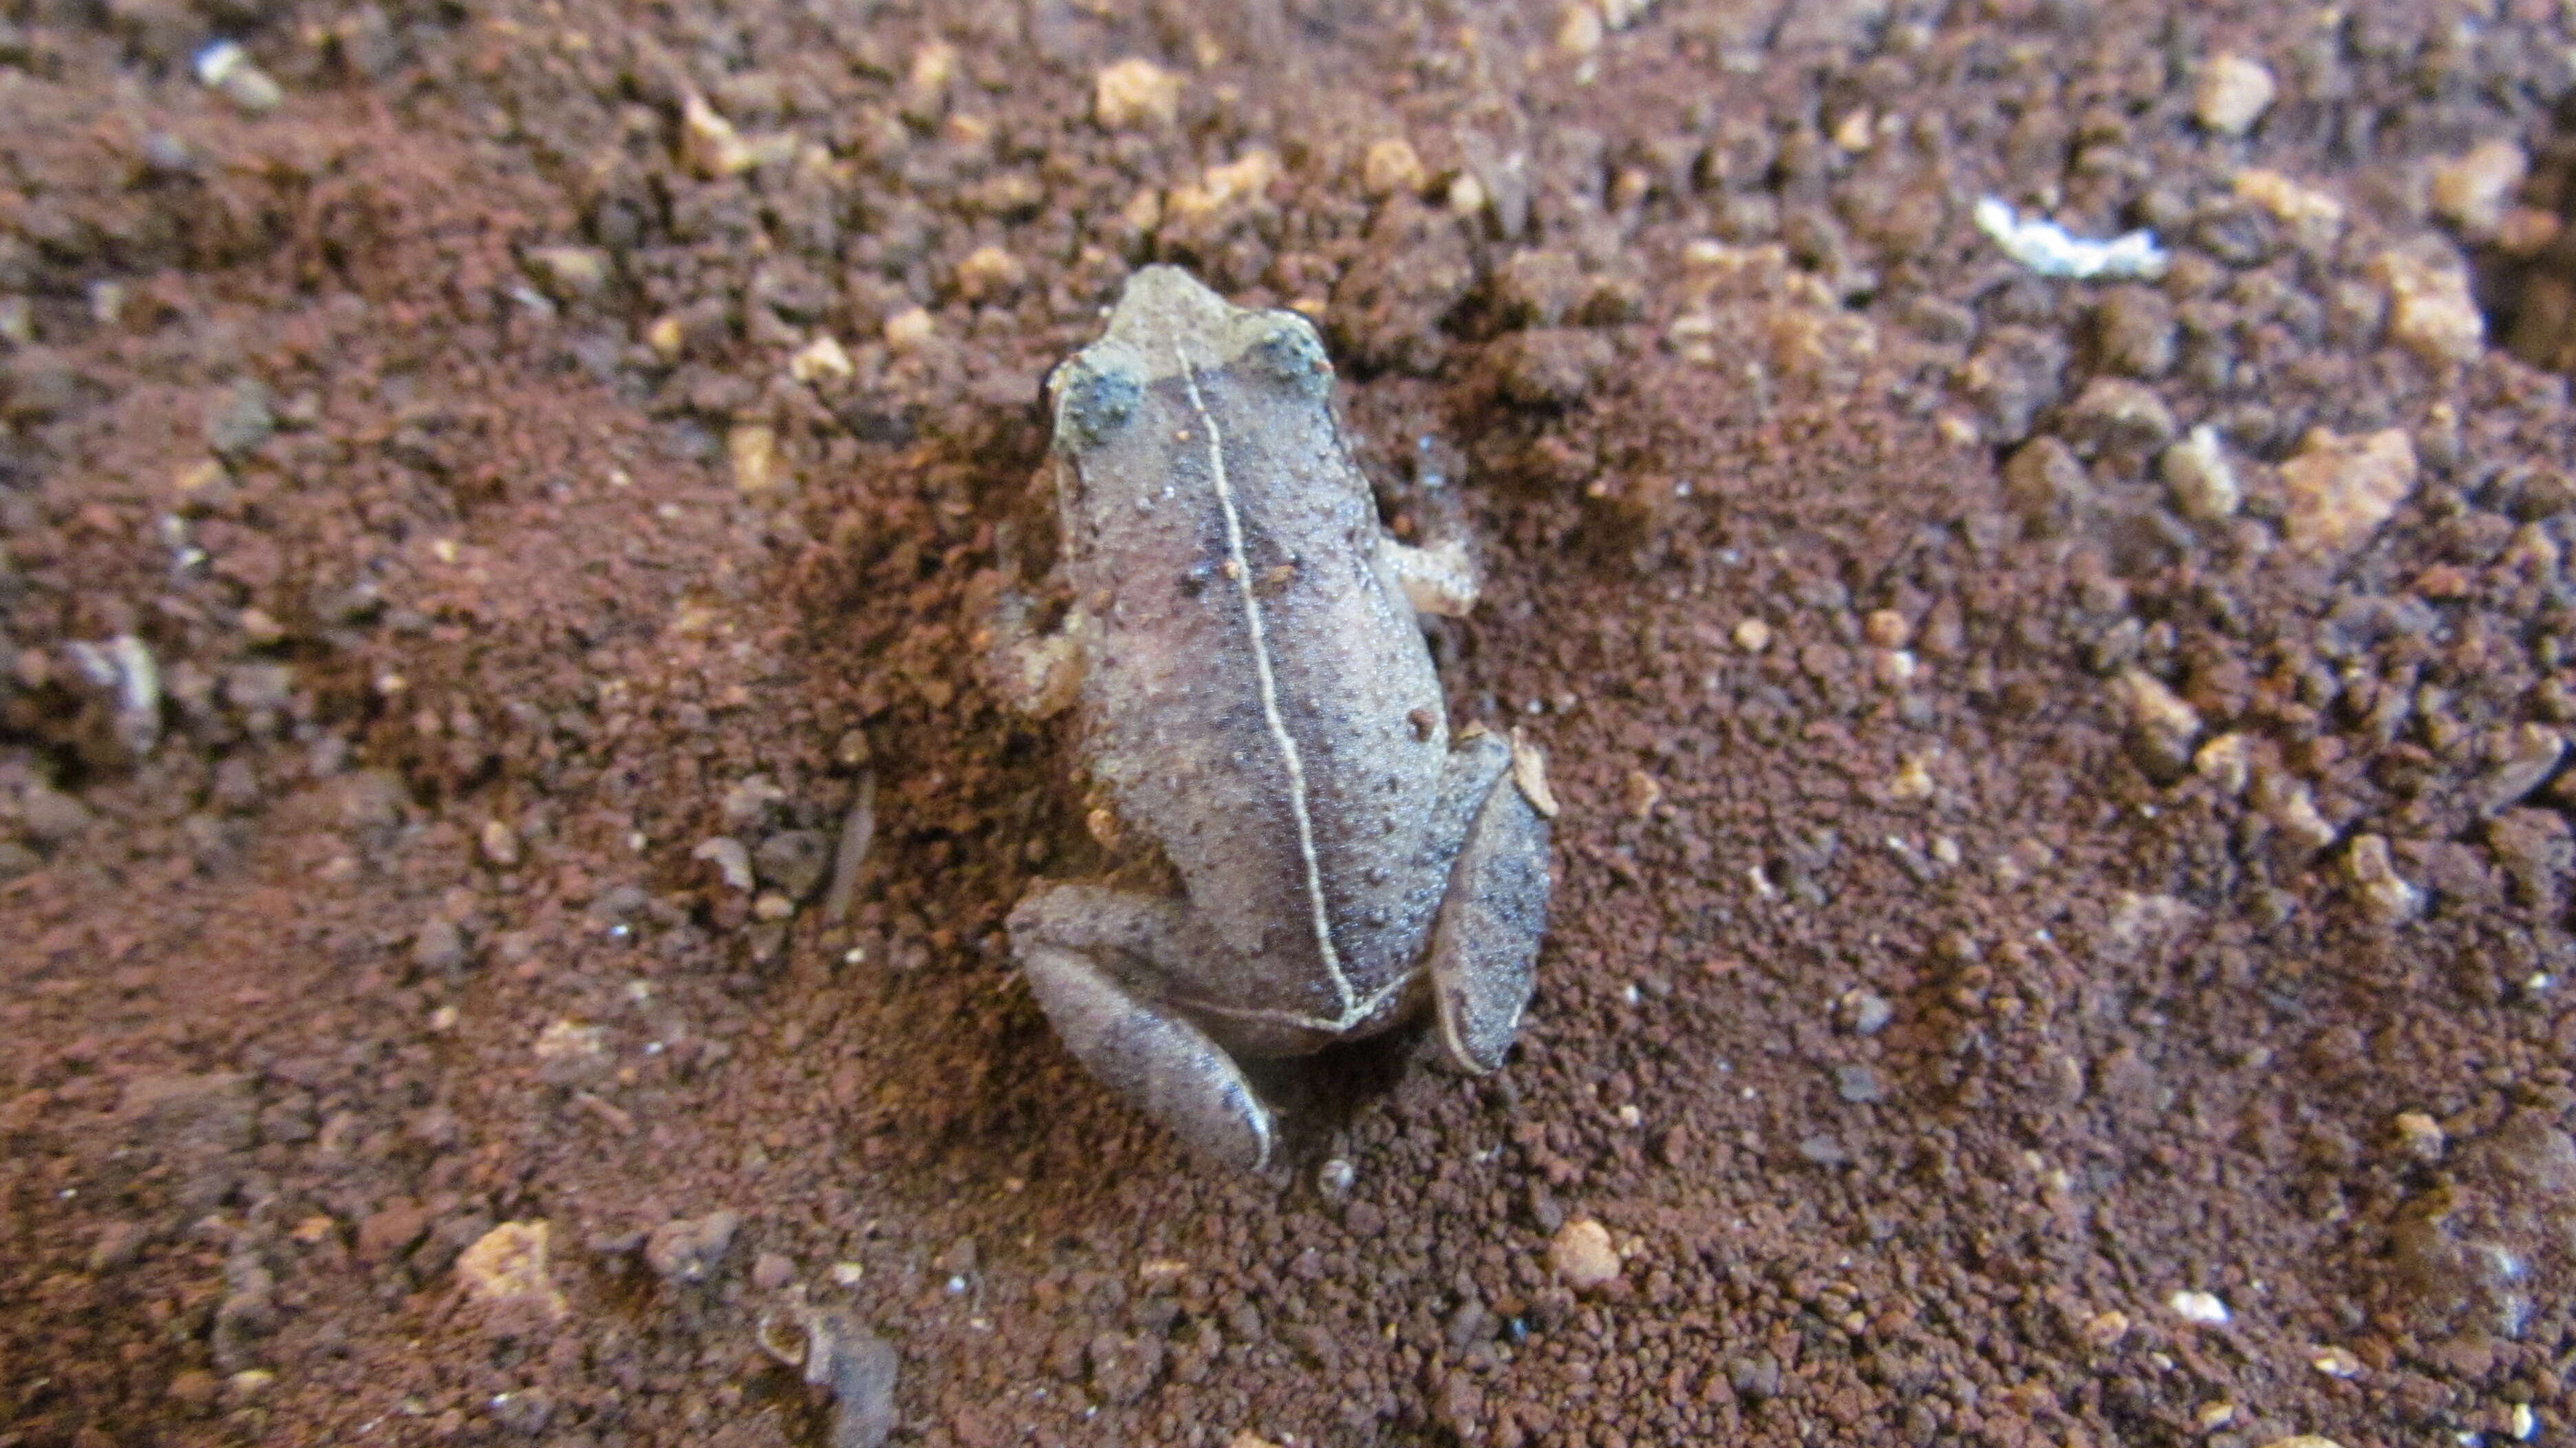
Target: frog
{"type": "Point", "coordinates": [1300, 851]}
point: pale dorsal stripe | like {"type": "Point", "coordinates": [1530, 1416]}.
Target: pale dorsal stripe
{"type": "Point", "coordinates": [1289, 759]}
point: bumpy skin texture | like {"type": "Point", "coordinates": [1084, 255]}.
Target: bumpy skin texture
{"type": "Point", "coordinates": [1255, 701]}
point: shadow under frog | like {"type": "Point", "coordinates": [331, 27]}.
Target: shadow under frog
{"type": "Point", "coordinates": [1264, 734]}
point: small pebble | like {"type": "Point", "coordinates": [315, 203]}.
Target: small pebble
{"type": "Point", "coordinates": [689, 1249]}
{"type": "Point", "coordinates": [569, 273]}
{"type": "Point", "coordinates": [731, 860]}
{"type": "Point", "coordinates": [2389, 897]}
{"type": "Point", "coordinates": [507, 1268]}
{"type": "Point", "coordinates": [227, 69]}
{"type": "Point", "coordinates": [1864, 1013]}
{"type": "Point", "coordinates": [989, 272]}
{"type": "Point", "coordinates": [2471, 191]}
{"type": "Point", "coordinates": [771, 1271]}
{"type": "Point", "coordinates": [2420, 1135]}
{"type": "Point", "coordinates": [1581, 1255]}
{"type": "Point", "coordinates": [2199, 1307]}
{"type": "Point", "coordinates": [2233, 94]}
{"type": "Point", "coordinates": [2115, 414]}
{"type": "Point", "coordinates": [909, 330]}
{"type": "Point", "coordinates": [1135, 94]}
{"type": "Point", "coordinates": [1858, 1085]}
{"type": "Point", "coordinates": [2199, 478]}
{"type": "Point", "coordinates": [2430, 309]}
{"type": "Point", "coordinates": [239, 419]}
{"type": "Point", "coordinates": [439, 946]}
{"type": "Point", "coordinates": [1334, 1177]}
{"type": "Point", "coordinates": [1391, 167]}
{"type": "Point", "coordinates": [753, 451]}
{"type": "Point", "coordinates": [2340, 489]}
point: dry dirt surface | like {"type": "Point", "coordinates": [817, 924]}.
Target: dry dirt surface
{"type": "Point", "coordinates": [2061, 921]}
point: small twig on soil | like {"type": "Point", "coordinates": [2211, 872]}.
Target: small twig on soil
{"type": "Point", "coordinates": [858, 831]}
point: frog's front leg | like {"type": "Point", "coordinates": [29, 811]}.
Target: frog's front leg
{"type": "Point", "coordinates": [1081, 947]}
{"type": "Point", "coordinates": [1037, 673]}
{"type": "Point", "coordinates": [1439, 579]}
{"type": "Point", "coordinates": [1483, 956]}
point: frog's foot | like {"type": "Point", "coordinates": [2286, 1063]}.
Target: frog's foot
{"type": "Point", "coordinates": [1484, 945]}
{"type": "Point", "coordinates": [1438, 579]}
{"type": "Point", "coordinates": [1159, 1060]}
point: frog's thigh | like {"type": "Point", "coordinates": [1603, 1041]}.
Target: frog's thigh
{"type": "Point", "coordinates": [1484, 945]}
{"type": "Point", "coordinates": [1070, 942]}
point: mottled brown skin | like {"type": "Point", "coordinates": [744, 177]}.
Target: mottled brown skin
{"type": "Point", "coordinates": [1255, 701]}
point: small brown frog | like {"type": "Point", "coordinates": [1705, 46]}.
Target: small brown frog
{"type": "Point", "coordinates": [1264, 732]}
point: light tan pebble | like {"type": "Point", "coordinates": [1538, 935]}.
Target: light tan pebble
{"type": "Point", "coordinates": [2154, 709]}
{"type": "Point", "coordinates": [569, 273]}
{"type": "Point", "coordinates": [2233, 94]}
{"type": "Point", "coordinates": [666, 337]}
{"type": "Point", "coordinates": [2430, 310]}
{"type": "Point", "coordinates": [753, 451]}
{"type": "Point", "coordinates": [500, 843]}
{"type": "Point", "coordinates": [2314, 216]}
{"type": "Point", "coordinates": [821, 358]}
{"type": "Point", "coordinates": [1643, 794]}
{"type": "Point", "coordinates": [1913, 779]}
{"type": "Point", "coordinates": [250, 1383]}
{"type": "Point", "coordinates": [709, 143]}
{"type": "Point", "coordinates": [2227, 762]}
{"type": "Point", "coordinates": [2199, 478]}
{"type": "Point", "coordinates": [909, 329]}
{"type": "Point", "coordinates": [2472, 190]}
{"type": "Point", "coordinates": [1467, 195]}
{"type": "Point", "coordinates": [1242, 179]}
{"type": "Point", "coordinates": [2340, 489]}
{"type": "Point", "coordinates": [2420, 1135]}
{"type": "Point", "coordinates": [1578, 31]}
{"type": "Point", "coordinates": [507, 1267]}
{"type": "Point", "coordinates": [987, 272]}
{"type": "Point", "coordinates": [1391, 167]}
{"type": "Point", "coordinates": [1135, 94]}
{"type": "Point", "coordinates": [2389, 897]}
{"type": "Point", "coordinates": [1582, 1256]}
{"type": "Point", "coordinates": [1752, 635]}
{"type": "Point", "coordinates": [2292, 809]}
{"type": "Point", "coordinates": [934, 65]}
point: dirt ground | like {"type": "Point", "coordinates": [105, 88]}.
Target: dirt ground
{"type": "Point", "coordinates": [2061, 918]}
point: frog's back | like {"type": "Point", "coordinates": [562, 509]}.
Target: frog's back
{"type": "Point", "coordinates": [1259, 698]}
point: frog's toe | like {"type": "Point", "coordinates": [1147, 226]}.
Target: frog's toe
{"type": "Point", "coordinates": [1160, 1062]}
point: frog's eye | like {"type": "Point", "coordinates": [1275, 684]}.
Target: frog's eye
{"type": "Point", "coordinates": [1093, 402]}
{"type": "Point", "coordinates": [1284, 347]}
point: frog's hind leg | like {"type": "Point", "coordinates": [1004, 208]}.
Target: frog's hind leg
{"type": "Point", "coordinates": [1483, 956]}
{"type": "Point", "coordinates": [1069, 941]}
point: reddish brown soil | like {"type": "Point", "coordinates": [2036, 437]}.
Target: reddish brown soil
{"type": "Point", "coordinates": [1919, 1017]}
